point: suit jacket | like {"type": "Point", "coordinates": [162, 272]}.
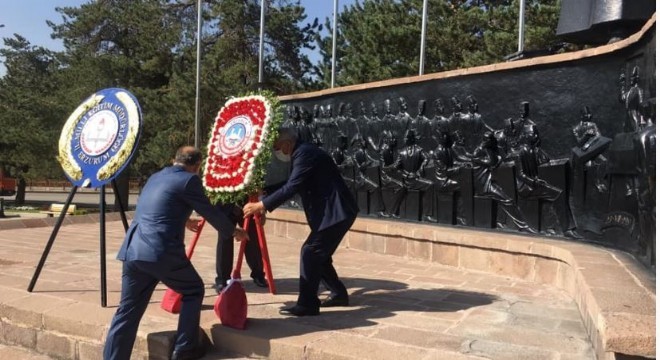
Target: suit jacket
{"type": "Point", "coordinates": [166, 202]}
{"type": "Point", "coordinates": [325, 197]}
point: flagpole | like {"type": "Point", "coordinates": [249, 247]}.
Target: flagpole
{"type": "Point", "coordinates": [521, 27]}
{"type": "Point", "coordinates": [422, 45]}
{"type": "Point", "coordinates": [262, 22]}
{"type": "Point", "coordinates": [197, 75]}
{"type": "Point", "coordinates": [334, 44]}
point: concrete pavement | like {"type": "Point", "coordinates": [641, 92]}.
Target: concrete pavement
{"type": "Point", "coordinates": [400, 308]}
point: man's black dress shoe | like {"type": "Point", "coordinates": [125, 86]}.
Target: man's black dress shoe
{"type": "Point", "coordinates": [334, 301]}
{"type": "Point", "coordinates": [190, 354]}
{"type": "Point", "coordinates": [260, 282]}
{"type": "Point", "coordinates": [218, 288]}
{"type": "Point", "coordinates": [297, 310]}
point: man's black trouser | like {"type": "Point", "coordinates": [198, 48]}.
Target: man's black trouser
{"type": "Point", "coordinates": [316, 264]}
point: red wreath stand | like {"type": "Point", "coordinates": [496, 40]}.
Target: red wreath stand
{"type": "Point", "coordinates": [172, 300]}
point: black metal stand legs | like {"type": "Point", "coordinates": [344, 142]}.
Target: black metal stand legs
{"type": "Point", "coordinates": [56, 228]}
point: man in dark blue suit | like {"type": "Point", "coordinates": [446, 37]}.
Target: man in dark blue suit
{"type": "Point", "coordinates": [153, 251]}
{"type": "Point", "coordinates": [330, 209]}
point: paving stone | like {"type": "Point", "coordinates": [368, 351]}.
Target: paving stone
{"type": "Point", "coordinates": [504, 351]}
{"type": "Point", "coordinates": [20, 353]}
{"type": "Point", "coordinates": [419, 338]}
{"type": "Point", "coordinates": [332, 347]}
{"type": "Point", "coordinates": [403, 306]}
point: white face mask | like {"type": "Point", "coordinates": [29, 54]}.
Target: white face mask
{"type": "Point", "coordinates": [282, 156]}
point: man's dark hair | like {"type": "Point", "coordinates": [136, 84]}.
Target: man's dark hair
{"type": "Point", "coordinates": [188, 155]}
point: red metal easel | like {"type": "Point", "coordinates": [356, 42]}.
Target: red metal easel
{"type": "Point", "coordinates": [261, 236]}
{"type": "Point", "coordinates": [172, 300]}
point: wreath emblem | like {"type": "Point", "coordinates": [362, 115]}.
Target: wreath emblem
{"type": "Point", "coordinates": [239, 147]}
{"type": "Point", "coordinates": [100, 137]}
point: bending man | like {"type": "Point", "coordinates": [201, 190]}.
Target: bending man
{"type": "Point", "coordinates": [330, 209]}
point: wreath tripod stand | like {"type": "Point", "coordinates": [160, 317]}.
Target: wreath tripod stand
{"type": "Point", "coordinates": [261, 238]}
{"type": "Point", "coordinates": [58, 224]}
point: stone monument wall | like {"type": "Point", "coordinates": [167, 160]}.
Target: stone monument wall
{"type": "Point", "coordinates": [560, 146]}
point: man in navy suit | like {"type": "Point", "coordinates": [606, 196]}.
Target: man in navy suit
{"type": "Point", "coordinates": [153, 251]}
{"type": "Point", "coordinates": [330, 209]}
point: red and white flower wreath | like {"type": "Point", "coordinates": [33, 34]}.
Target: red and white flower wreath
{"type": "Point", "coordinates": [239, 147]}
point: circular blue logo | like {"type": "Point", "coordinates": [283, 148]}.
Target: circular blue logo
{"type": "Point", "coordinates": [235, 135]}
{"type": "Point", "coordinates": [100, 138]}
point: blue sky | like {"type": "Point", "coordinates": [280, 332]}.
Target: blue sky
{"type": "Point", "coordinates": [28, 18]}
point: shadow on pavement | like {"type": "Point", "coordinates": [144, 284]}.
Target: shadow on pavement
{"type": "Point", "coordinates": [370, 299]}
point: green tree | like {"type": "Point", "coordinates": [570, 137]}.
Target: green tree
{"type": "Point", "coordinates": [133, 45]}
{"type": "Point", "coordinates": [29, 108]}
{"type": "Point", "coordinates": [379, 39]}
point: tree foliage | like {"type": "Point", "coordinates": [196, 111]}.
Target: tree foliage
{"type": "Point", "coordinates": [380, 39]}
{"type": "Point", "coordinates": [28, 108]}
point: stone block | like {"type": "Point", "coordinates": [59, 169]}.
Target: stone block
{"type": "Point", "coordinates": [630, 334]}
{"type": "Point", "coordinates": [90, 351]}
{"type": "Point", "coordinates": [80, 319]}
{"type": "Point", "coordinates": [419, 250]}
{"type": "Point", "coordinates": [420, 338]}
{"type": "Point", "coordinates": [444, 254]}
{"type": "Point", "coordinates": [424, 232]}
{"type": "Point", "coordinates": [56, 346]}
{"type": "Point", "coordinates": [610, 300]}
{"type": "Point", "coordinates": [29, 311]}
{"type": "Point", "coordinates": [472, 258]}
{"type": "Point", "coordinates": [519, 244]}
{"type": "Point", "coordinates": [514, 265]}
{"type": "Point", "coordinates": [545, 271]}
{"type": "Point", "coordinates": [500, 350]}
{"type": "Point", "coordinates": [13, 334]}
{"type": "Point", "coordinates": [297, 231]}
{"type": "Point", "coordinates": [362, 348]}
{"type": "Point", "coordinates": [360, 242]}
{"type": "Point", "coordinates": [379, 227]}
{"type": "Point", "coordinates": [394, 229]}
{"type": "Point", "coordinates": [396, 246]}
{"type": "Point", "coordinates": [378, 244]}
{"type": "Point", "coordinates": [566, 279]}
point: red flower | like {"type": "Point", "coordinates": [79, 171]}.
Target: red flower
{"type": "Point", "coordinates": [235, 166]}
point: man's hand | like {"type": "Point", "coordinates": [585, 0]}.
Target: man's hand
{"type": "Point", "coordinates": [253, 208]}
{"type": "Point", "coordinates": [193, 224]}
{"type": "Point", "coordinates": [240, 234]}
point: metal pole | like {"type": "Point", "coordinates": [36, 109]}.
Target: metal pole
{"type": "Point", "coordinates": [197, 75]}
{"type": "Point", "coordinates": [51, 240]}
{"type": "Point", "coordinates": [422, 43]}
{"type": "Point", "coordinates": [104, 288]}
{"type": "Point", "coordinates": [521, 26]}
{"type": "Point", "coordinates": [334, 44]}
{"type": "Point", "coordinates": [262, 23]}
{"type": "Point", "coordinates": [122, 212]}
